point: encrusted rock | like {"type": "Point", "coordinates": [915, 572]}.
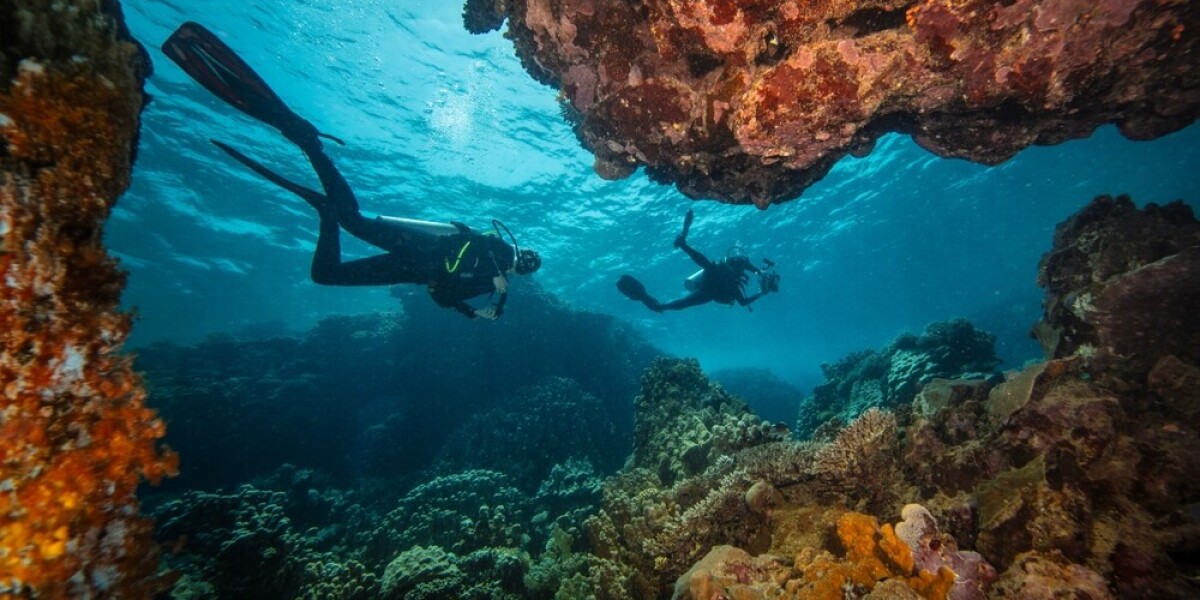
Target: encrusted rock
{"type": "Point", "coordinates": [752, 102]}
{"type": "Point", "coordinates": [1122, 286]}
{"type": "Point", "coordinates": [893, 376]}
{"type": "Point", "coordinates": [681, 417]}
{"type": "Point", "coordinates": [76, 438]}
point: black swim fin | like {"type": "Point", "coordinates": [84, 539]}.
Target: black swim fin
{"type": "Point", "coordinates": [681, 239]}
{"type": "Point", "coordinates": [687, 223]}
{"type": "Point", "coordinates": [318, 200]}
{"type": "Point", "coordinates": [635, 290]}
{"type": "Point", "coordinates": [214, 65]}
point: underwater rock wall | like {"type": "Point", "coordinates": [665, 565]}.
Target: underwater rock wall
{"type": "Point", "coordinates": [753, 102]}
{"type": "Point", "coordinates": [75, 436]}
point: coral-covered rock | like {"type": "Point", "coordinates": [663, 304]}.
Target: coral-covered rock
{"type": "Point", "coordinates": [253, 543]}
{"type": "Point", "coordinates": [911, 560]}
{"type": "Point", "coordinates": [76, 438]}
{"type": "Point", "coordinates": [460, 513]}
{"type": "Point", "coordinates": [1122, 285]}
{"type": "Point", "coordinates": [682, 421]}
{"type": "Point", "coordinates": [752, 102]}
{"type": "Point", "coordinates": [729, 572]}
{"type": "Point", "coordinates": [865, 450]}
{"type": "Point", "coordinates": [431, 569]}
{"type": "Point", "coordinates": [1038, 576]}
{"type": "Point", "coordinates": [431, 573]}
{"type": "Point", "coordinates": [525, 436]}
{"type": "Point", "coordinates": [893, 376]}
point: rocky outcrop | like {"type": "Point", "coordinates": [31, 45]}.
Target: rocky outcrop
{"type": "Point", "coordinates": [752, 102]}
{"type": "Point", "coordinates": [76, 439]}
{"type": "Point", "coordinates": [1122, 286]}
{"type": "Point", "coordinates": [891, 377]}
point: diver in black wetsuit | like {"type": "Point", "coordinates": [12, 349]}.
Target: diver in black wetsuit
{"type": "Point", "coordinates": [455, 262]}
{"type": "Point", "coordinates": [720, 281]}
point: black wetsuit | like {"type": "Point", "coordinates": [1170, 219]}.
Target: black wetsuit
{"type": "Point", "coordinates": [722, 282]}
{"type": "Point", "coordinates": [456, 267]}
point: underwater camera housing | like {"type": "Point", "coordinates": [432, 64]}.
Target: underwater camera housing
{"type": "Point", "coordinates": [768, 278]}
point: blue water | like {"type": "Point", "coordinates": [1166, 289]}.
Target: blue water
{"type": "Point", "coordinates": [444, 125]}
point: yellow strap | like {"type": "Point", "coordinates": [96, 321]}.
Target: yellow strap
{"type": "Point", "coordinates": [461, 252]}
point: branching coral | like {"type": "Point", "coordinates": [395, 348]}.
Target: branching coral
{"type": "Point", "coordinates": [75, 436]}
{"type": "Point", "coordinates": [865, 451]}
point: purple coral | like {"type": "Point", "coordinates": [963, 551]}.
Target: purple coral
{"type": "Point", "coordinates": [933, 550]}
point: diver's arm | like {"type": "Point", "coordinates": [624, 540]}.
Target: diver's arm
{"type": "Point", "coordinates": [448, 299]}
{"type": "Point", "coordinates": [465, 309]}
{"type": "Point", "coordinates": [744, 301]}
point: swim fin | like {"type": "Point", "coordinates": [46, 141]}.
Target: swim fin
{"type": "Point", "coordinates": [318, 200]}
{"type": "Point", "coordinates": [635, 290]}
{"type": "Point", "coordinates": [681, 239]}
{"type": "Point", "coordinates": [687, 222]}
{"type": "Point", "coordinates": [214, 65]}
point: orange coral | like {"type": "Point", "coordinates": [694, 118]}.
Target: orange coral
{"type": "Point", "coordinates": [75, 436]}
{"type": "Point", "coordinates": [873, 554]}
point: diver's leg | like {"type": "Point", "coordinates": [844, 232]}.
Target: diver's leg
{"type": "Point", "coordinates": [384, 269]}
{"type": "Point", "coordinates": [696, 256]}
{"type": "Point", "coordinates": [344, 206]}
{"type": "Point", "coordinates": [341, 197]}
{"type": "Point", "coordinates": [693, 299]}
{"type": "Point", "coordinates": [389, 236]}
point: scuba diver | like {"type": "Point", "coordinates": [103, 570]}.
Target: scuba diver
{"type": "Point", "coordinates": [454, 261]}
{"type": "Point", "coordinates": [722, 281]}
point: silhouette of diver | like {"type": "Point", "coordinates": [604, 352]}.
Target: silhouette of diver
{"type": "Point", "coordinates": [721, 281]}
{"type": "Point", "coordinates": [454, 261]}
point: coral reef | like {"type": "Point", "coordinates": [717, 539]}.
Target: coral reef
{"type": "Point", "coordinates": [1065, 478]}
{"type": "Point", "coordinates": [514, 436]}
{"type": "Point", "coordinates": [75, 436]}
{"type": "Point", "coordinates": [1121, 285]}
{"type": "Point", "coordinates": [891, 377]}
{"type": "Point", "coordinates": [767, 395]}
{"type": "Point", "coordinates": [752, 102]}
{"type": "Point", "coordinates": [910, 560]}
{"type": "Point", "coordinates": [462, 513]}
{"type": "Point", "coordinates": [294, 535]}
{"type": "Point", "coordinates": [430, 573]}
{"type": "Point", "coordinates": [1073, 477]}
{"type": "Point", "coordinates": [382, 409]}
{"type": "Point", "coordinates": [683, 422]}
{"type": "Point", "coordinates": [251, 544]}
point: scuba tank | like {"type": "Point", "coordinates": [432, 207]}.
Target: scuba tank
{"type": "Point", "coordinates": [692, 283]}
{"type": "Point", "coordinates": [433, 228]}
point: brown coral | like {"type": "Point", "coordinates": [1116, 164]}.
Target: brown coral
{"type": "Point", "coordinates": [75, 436]}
